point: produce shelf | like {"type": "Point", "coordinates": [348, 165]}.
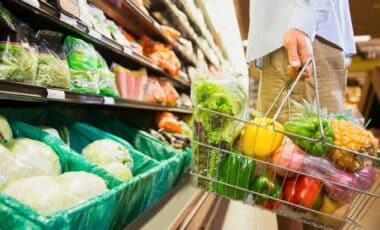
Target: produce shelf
{"type": "Point", "coordinates": [184, 27]}
{"type": "Point", "coordinates": [47, 17]}
{"type": "Point", "coordinates": [196, 25]}
{"type": "Point", "coordinates": [130, 16]}
{"type": "Point", "coordinates": [24, 92]}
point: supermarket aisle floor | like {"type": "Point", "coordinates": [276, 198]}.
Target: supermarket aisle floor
{"type": "Point", "coordinates": [237, 215]}
{"type": "Point", "coordinates": [243, 217]}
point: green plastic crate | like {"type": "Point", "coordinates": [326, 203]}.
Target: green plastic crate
{"type": "Point", "coordinates": [178, 159]}
{"type": "Point", "coordinates": [96, 213]}
{"type": "Point", "coordinates": [134, 198]}
{"type": "Point", "coordinates": [154, 176]}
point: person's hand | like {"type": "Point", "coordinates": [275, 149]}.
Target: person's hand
{"type": "Point", "coordinates": [299, 48]}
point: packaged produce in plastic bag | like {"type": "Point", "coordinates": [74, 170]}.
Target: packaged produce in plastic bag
{"type": "Point", "coordinates": [131, 84]}
{"type": "Point", "coordinates": [153, 92]}
{"type": "Point", "coordinates": [18, 58]}
{"type": "Point", "coordinates": [168, 122]}
{"type": "Point", "coordinates": [171, 94]}
{"type": "Point", "coordinates": [171, 32]}
{"type": "Point", "coordinates": [50, 194]}
{"type": "Point", "coordinates": [161, 55]}
{"type": "Point", "coordinates": [225, 96]}
{"type": "Point", "coordinates": [339, 184]}
{"type": "Point", "coordinates": [185, 100]}
{"type": "Point", "coordinates": [97, 20]}
{"type": "Point", "coordinates": [83, 62]}
{"type": "Point", "coordinates": [116, 33]}
{"type": "Point", "coordinates": [52, 71]}
{"type": "Point", "coordinates": [107, 84]}
{"type": "Point", "coordinates": [139, 82]}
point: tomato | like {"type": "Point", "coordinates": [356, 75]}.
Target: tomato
{"type": "Point", "coordinates": [270, 205]}
{"type": "Point", "coordinates": [303, 190]}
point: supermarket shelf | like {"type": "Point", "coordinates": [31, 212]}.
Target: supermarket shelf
{"type": "Point", "coordinates": [202, 31]}
{"type": "Point", "coordinates": [130, 16]}
{"type": "Point", "coordinates": [184, 26]}
{"type": "Point", "coordinates": [47, 17]}
{"type": "Point", "coordinates": [24, 92]}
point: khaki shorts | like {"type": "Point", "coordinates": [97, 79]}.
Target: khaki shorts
{"type": "Point", "coordinates": [331, 73]}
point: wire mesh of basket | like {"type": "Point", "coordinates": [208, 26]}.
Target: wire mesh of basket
{"type": "Point", "coordinates": [280, 167]}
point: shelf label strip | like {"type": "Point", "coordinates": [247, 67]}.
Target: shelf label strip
{"type": "Point", "coordinates": [55, 94]}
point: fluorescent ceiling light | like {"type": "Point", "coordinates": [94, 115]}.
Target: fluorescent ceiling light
{"type": "Point", "coordinates": [362, 38]}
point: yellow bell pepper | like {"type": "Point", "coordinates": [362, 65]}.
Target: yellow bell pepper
{"type": "Point", "coordinates": [260, 141]}
{"type": "Point", "coordinates": [329, 206]}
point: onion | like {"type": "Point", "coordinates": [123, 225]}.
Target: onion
{"type": "Point", "coordinates": [339, 193]}
{"type": "Point", "coordinates": [366, 177]}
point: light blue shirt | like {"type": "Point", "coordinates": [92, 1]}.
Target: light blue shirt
{"type": "Point", "coordinates": [269, 20]}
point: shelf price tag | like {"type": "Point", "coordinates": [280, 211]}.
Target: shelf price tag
{"type": "Point", "coordinates": [109, 100]}
{"type": "Point", "coordinates": [95, 34]}
{"type": "Point", "coordinates": [55, 94]}
{"type": "Point", "coordinates": [69, 20]}
{"type": "Point", "coordinates": [127, 50]}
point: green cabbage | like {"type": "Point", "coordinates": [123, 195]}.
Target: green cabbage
{"type": "Point", "coordinates": [111, 156]}
{"type": "Point", "coordinates": [42, 159]}
{"type": "Point", "coordinates": [5, 130]}
{"type": "Point", "coordinates": [11, 169]}
{"type": "Point", "coordinates": [106, 151]}
{"type": "Point", "coordinates": [49, 194]}
{"type": "Point", "coordinates": [119, 170]}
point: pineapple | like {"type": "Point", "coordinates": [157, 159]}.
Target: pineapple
{"type": "Point", "coordinates": [352, 137]}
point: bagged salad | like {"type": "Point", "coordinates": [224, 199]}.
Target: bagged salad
{"type": "Point", "coordinates": [18, 58]}
{"type": "Point", "coordinates": [83, 63]}
{"type": "Point", "coordinates": [52, 71]}
{"type": "Point", "coordinates": [107, 84]}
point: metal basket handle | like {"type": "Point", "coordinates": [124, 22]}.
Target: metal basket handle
{"type": "Point", "coordinates": [298, 78]}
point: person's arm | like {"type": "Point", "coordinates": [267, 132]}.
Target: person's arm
{"type": "Point", "coordinates": [301, 31]}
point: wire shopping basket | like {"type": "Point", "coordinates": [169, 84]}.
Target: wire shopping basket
{"type": "Point", "coordinates": [314, 168]}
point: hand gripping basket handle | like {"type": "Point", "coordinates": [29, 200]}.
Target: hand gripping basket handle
{"type": "Point", "coordinates": [293, 85]}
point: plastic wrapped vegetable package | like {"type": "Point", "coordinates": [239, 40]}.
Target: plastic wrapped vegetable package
{"type": "Point", "coordinates": [170, 93]}
{"type": "Point", "coordinates": [52, 71]}
{"type": "Point", "coordinates": [18, 59]}
{"type": "Point", "coordinates": [107, 84]}
{"type": "Point", "coordinates": [223, 96]}
{"type": "Point", "coordinates": [83, 63]}
{"type": "Point", "coordinates": [161, 55]}
{"type": "Point", "coordinates": [131, 84]}
{"type": "Point", "coordinates": [153, 92]}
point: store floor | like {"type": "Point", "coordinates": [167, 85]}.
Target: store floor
{"type": "Point", "coordinates": [236, 216]}
{"type": "Point", "coordinates": [173, 210]}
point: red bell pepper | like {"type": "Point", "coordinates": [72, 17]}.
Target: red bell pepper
{"type": "Point", "coordinates": [303, 191]}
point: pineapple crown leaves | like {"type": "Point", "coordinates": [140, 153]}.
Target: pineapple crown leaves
{"type": "Point", "coordinates": [307, 109]}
